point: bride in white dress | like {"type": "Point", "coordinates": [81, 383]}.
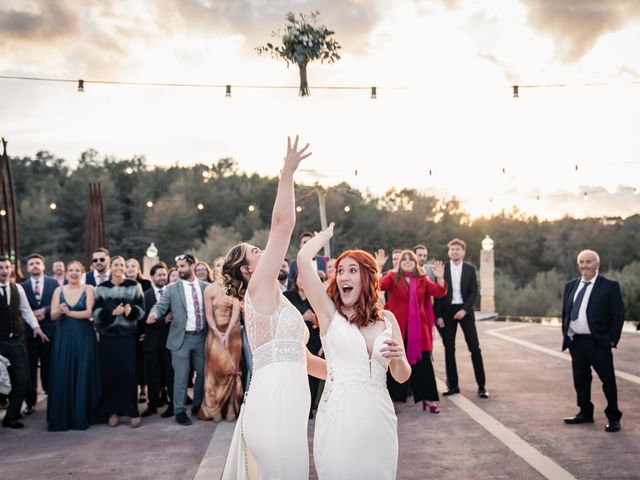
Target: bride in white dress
{"type": "Point", "coordinates": [356, 435]}
{"type": "Point", "coordinates": [273, 421]}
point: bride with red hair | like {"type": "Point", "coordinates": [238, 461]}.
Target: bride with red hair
{"type": "Point", "coordinates": [356, 434]}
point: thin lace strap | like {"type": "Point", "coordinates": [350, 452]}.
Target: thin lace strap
{"type": "Point", "coordinates": [387, 323]}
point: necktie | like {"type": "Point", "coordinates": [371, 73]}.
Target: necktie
{"type": "Point", "coordinates": [196, 308]}
{"type": "Point", "coordinates": [575, 308]}
{"type": "Point", "coordinates": [159, 292]}
{"type": "Point", "coordinates": [37, 292]}
{"type": "Point", "coordinates": [5, 295]}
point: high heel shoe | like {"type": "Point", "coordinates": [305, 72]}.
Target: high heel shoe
{"type": "Point", "coordinates": [432, 408]}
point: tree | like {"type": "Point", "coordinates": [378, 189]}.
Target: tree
{"type": "Point", "coordinates": [305, 40]}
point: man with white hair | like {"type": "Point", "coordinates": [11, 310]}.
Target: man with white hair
{"type": "Point", "coordinates": [592, 319]}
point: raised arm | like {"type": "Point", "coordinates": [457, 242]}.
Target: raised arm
{"type": "Point", "coordinates": [283, 220]}
{"type": "Point", "coordinates": [313, 287]}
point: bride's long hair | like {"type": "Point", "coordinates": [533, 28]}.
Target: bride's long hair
{"type": "Point", "coordinates": [367, 307]}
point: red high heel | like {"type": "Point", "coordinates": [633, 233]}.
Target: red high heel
{"type": "Point", "coordinates": [432, 408]}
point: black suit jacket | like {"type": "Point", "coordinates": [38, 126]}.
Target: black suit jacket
{"type": "Point", "coordinates": [155, 334]}
{"type": "Point", "coordinates": [468, 289]}
{"type": "Point", "coordinates": [48, 287]}
{"type": "Point", "coordinates": [605, 311]}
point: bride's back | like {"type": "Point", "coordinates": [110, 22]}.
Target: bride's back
{"type": "Point", "coordinates": [277, 337]}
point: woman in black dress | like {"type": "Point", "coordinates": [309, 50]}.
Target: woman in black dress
{"type": "Point", "coordinates": [133, 272]}
{"type": "Point", "coordinates": [118, 307]}
{"type": "Point", "coordinates": [299, 300]}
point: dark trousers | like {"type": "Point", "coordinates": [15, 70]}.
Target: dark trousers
{"type": "Point", "coordinates": [38, 352]}
{"type": "Point", "coordinates": [422, 382]}
{"type": "Point", "coordinates": [468, 325]}
{"type": "Point", "coordinates": [158, 374]}
{"type": "Point", "coordinates": [13, 349]}
{"type": "Point", "coordinates": [586, 353]}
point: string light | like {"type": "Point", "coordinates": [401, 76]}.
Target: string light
{"type": "Point", "coordinates": [347, 209]}
{"type": "Point", "coordinates": [227, 92]}
{"type": "Point", "coordinates": [298, 209]}
{"type": "Point", "coordinates": [515, 91]}
{"type": "Point", "coordinates": [80, 86]}
{"type": "Point", "coordinates": [200, 206]}
{"type": "Point", "coordinates": [53, 206]}
{"type": "Point", "coordinates": [251, 208]}
{"type": "Point", "coordinates": [374, 93]}
{"type": "Point", "coordinates": [150, 204]}
{"type": "Point", "coordinates": [128, 170]}
{"type": "Point", "coordinates": [3, 213]}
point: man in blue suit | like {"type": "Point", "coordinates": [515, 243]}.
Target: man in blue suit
{"type": "Point", "coordinates": [592, 320]}
{"type": "Point", "coordinates": [39, 290]}
{"type": "Point", "coordinates": [320, 262]}
{"type": "Point", "coordinates": [100, 260]}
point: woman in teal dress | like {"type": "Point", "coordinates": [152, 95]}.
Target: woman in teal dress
{"type": "Point", "coordinates": [72, 398]}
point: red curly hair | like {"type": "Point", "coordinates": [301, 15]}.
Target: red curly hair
{"type": "Point", "coordinates": [367, 306]}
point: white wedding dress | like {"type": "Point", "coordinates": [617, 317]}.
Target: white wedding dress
{"type": "Point", "coordinates": [356, 434]}
{"type": "Point", "coordinates": [276, 411]}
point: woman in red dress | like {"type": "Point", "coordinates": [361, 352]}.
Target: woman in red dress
{"type": "Point", "coordinates": [408, 291]}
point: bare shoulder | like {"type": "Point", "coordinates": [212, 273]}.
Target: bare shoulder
{"type": "Point", "coordinates": [391, 318]}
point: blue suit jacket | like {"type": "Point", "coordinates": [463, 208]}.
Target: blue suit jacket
{"type": "Point", "coordinates": [293, 269]}
{"type": "Point", "coordinates": [49, 286]}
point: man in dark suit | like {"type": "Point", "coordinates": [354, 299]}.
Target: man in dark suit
{"type": "Point", "coordinates": [320, 262]}
{"type": "Point", "coordinates": [187, 333]}
{"type": "Point", "coordinates": [39, 291]}
{"type": "Point", "coordinates": [592, 319]}
{"type": "Point", "coordinates": [457, 308]}
{"type": "Point", "coordinates": [157, 358]}
{"type": "Point", "coordinates": [100, 260]}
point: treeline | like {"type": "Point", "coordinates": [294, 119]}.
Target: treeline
{"type": "Point", "coordinates": [532, 256]}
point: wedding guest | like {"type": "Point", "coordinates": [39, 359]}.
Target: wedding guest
{"type": "Point", "coordinates": [331, 268]}
{"type": "Point", "coordinates": [283, 275]}
{"type": "Point", "coordinates": [74, 394]}
{"type": "Point", "coordinates": [14, 311]}
{"type": "Point", "coordinates": [395, 258]}
{"type": "Point", "coordinates": [319, 262]}
{"type": "Point", "coordinates": [298, 299]}
{"type": "Point", "coordinates": [407, 288]}
{"type": "Point", "coordinates": [39, 290]}
{"type": "Point", "coordinates": [203, 272]}
{"type": "Point", "coordinates": [100, 261]}
{"type": "Point", "coordinates": [217, 268]}
{"type": "Point", "coordinates": [132, 272]}
{"type": "Point", "coordinates": [173, 275]}
{"type": "Point", "coordinates": [222, 377]}
{"type": "Point", "coordinates": [118, 307]}
{"type": "Point", "coordinates": [58, 270]}
{"type": "Point", "coordinates": [157, 358]}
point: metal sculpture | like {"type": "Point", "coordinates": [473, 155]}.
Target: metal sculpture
{"type": "Point", "coordinates": [8, 224]}
{"type": "Point", "coordinates": [95, 235]}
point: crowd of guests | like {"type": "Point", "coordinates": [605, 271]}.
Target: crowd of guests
{"type": "Point", "coordinates": [108, 341]}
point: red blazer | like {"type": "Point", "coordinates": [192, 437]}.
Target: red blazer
{"type": "Point", "coordinates": [398, 302]}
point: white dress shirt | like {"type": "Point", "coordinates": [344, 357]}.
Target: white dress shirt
{"type": "Point", "coordinates": [191, 311]}
{"type": "Point", "coordinates": [580, 324]}
{"type": "Point", "coordinates": [456, 277]}
{"type": "Point", "coordinates": [96, 277]}
{"type": "Point", "coordinates": [25, 309]}
{"type": "Point", "coordinates": [40, 282]}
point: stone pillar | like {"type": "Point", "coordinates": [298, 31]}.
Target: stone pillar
{"type": "Point", "coordinates": [487, 277]}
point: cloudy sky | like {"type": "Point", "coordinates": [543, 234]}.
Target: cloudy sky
{"type": "Point", "coordinates": [444, 122]}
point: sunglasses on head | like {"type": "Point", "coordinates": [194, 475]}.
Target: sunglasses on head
{"type": "Point", "coordinates": [96, 260]}
{"type": "Point", "coordinates": [189, 258]}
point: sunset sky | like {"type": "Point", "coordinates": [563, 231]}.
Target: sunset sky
{"type": "Point", "coordinates": [443, 68]}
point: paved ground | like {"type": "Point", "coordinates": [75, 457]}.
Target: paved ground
{"type": "Point", "coordinates": [516, 434]}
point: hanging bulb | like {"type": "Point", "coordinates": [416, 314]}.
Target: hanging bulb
{"type": "Point", "coordinates": [430, 172]}
{"type": "Point", "coordinates": [537, 197]}
{"type": "Point", "coordinates": [355, 174]}
{"type": "Point", "coordinates": [504, 170]}
{"type": "Point", "coordinates": [585, 196]}
{"type": "Point", "coordinates": [80, 86]}
{"type": "Point", "coordinates": [374, 93]}
{"type": "Point", "coordinates": [227, 92]}
{"type": "Point", "coordinates": [515, 92]}
{"type": "Point", "coordinates": [576, 168]}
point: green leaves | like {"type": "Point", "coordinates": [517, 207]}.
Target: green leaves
{"type": "Point", "coordinates": [304, 41]}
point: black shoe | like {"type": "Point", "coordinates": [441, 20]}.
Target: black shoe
{"type": "Point", "coordinates": [29, 410]}
{"type": "Point", "coordinates": [195, 411]}
{"type": "Point", "coordinates": [482, 393]}
{"type": "Point", "coordinates": [189, 400]}
{"type": "Point", "coordinates": [451, 391]}
{"type": "Point", "coordinates": [579, 418]}
{"type": "Point", "coordinates": [182, 419]}
{"type": "Point", "coordinates": [167, 413]}
{"type": "Point", "coordinates": [612, 426]}
{"type": "Point", "coordinates": [149, 411]}
{"type": "Point", "coordinates": [12, 423]}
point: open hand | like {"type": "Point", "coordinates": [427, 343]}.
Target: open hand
{"type": "Point", "coordinates": [438, 269]}
{"type": "Point", "coordinates": [381, 258]}
{"type": "Point", "coordinates": [294, 156]}
{"type": "Point", "coordinates": [327, 232]}
{"type": "Point", "coordinates": [38, 332]}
